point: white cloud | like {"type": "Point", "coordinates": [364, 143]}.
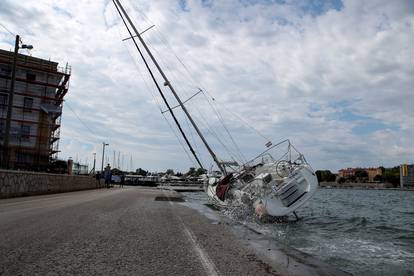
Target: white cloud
{"type": "Point", "coordinates": [316, 77]}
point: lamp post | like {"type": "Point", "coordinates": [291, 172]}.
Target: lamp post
{"type": "Point", "coordinates": [103, 154]}
{"type": "Point", "coordinates": [6, 153]}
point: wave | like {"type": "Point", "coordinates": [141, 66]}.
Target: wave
{"type": "Point", "coordinates": [406, 237]}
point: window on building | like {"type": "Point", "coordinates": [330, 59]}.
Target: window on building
{"type": "Point", "coordinates": [5, 71]}
{"type": "Point", "coordinates": [2, 128]}
{"type": "Point", "coordinates": [30, 76]}
{"type": "Point", "coordinates": [28, 104]}
{"type": "Point", "coordinates": [23, 157]}
{"type": "Point", "coordinates": [25, 132]}
{"type": "Point", "coordinates": [3, 101]}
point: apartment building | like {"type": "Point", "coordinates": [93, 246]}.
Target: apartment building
{"type": "Point", "coordinates": [407, 176]}
{"type": "Point", "coordinates": [40, 86]}
{"type": "Point", "coordinates": [371, 172]}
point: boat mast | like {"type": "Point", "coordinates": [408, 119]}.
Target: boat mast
{"type": "Point", "coordinates": [167, 83]}
{"type": "Point", "coordinates": [160, 91]}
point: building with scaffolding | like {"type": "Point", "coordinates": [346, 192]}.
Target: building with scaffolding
{"type": "Point", "coordinates": [40, 86]}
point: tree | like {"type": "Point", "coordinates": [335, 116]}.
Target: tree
{"type": "Point", "coordinates": [200, 171]}
{"type": "Point", "coordinates": [141, 172]}
{"type": "Point", "coordinates": [361, 174]}
{"type": "Point", "coordinates": [319, 175]}
{"type": "Point", "coordinates": [392, 175]}
{"type": "Point", "coordinates": [325, 176]}
{"type": "Point", "coordinates": [378, 178]}
{"type": "Point", "coordinates": [170, 172]}
{"type": "Point", "coordinates": [191, 171]}
{"type": "Point", "coordinates": [341, 180]}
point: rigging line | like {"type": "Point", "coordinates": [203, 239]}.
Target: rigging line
{"type": "Point", "coordinates": [179, 140]}
{"type": "Point", "coordinates": [184, 101]}
{"type": "Point", "coordinates": [7, 29]}
{"type": "Point", "coordinates": [243, 121]}
{"type": "Point", "coordinates": [168, 46]}
{"type": "Point", "coordinates": [192, 136]}
{"type": "Point", "coordinates": [140, 33]}
{"type": "Point", "coordinates": [210, 129]}
{"type": "Point", "coordinates": [215, 135]}
{"type": "Point", "coordinates": [152, 89]}
{"type": "Point", "coordinates": [170, 71]}
{"type": "Point", "coordinates": [159, 89]}
{"type": "Point", "coordinates": [178, 84]}
{"type": "Point", "coordinates": [180, 87]}
{"type": "Point", "coordinates": [80, 120]}
{"type": "Point", "coordinates": [192, 79]}
{"type": "Point", "coordinates": [171, 88]}
{"type": "Point", "coordinates": [160, 108]}
{"type": "Point", "coordinates": [242, 157]}
{"type": "Point", "coordinates": [207, 125]}
{"type": "Point", "coordinates": [166, 65]}
{"type": "Point", "coordinates": [169, 49]}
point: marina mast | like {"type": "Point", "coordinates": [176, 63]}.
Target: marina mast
{"type": "Point", "coordinates": [159, 90]}
{"type": "Point", "coordinates": [167, 83]}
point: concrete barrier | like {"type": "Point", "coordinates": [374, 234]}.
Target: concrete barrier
{"type": "Point", "coordinates": [23, 183]}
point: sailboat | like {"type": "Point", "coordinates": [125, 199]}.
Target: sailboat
{"type": "Point", "coordinates": [272, 186]}
{"type": "Point", "coordinates": [275, 183]}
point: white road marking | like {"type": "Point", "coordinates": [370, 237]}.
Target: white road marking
{"type": "Point", "coordinates": [206, 261]}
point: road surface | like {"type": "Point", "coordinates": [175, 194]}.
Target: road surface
{"type": "Point", "coordinates": [118, 231]}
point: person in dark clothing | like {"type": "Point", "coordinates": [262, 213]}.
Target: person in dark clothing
{"type": "Point", "coordinates": [121, 184]}
{"type": "Point", "coordinates": [108, 176]}
{"type": "Point", "coordinates": [98, 180]}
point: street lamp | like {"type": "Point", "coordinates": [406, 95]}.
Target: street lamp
{"type": "Point", "coordinates": [103, 154]}
{"type": "Point", "coordinates": [10, 102]}
{"type": "Point", "coordinates": [28, 47]}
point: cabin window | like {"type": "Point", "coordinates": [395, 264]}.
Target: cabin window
{"type": "Point", "coordinates": [28, 104]}
{"type": "Point", "coordinates": [25, 132]}
{"type": "Point", "coordinates": [30, 76]}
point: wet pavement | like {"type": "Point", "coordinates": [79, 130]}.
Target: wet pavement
{"type": "Point", "coordinates": [115, 231]}
{"type": "Point", "coordinates": [122, 231]}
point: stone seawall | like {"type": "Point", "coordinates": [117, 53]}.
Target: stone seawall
{"type": "Point", "coordinates": [23, 183]}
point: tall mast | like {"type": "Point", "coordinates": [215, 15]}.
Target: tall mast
{"type": "Point", "coordinates": [159, 90]}
{"type": "Point", "coordinates": [167, 83]}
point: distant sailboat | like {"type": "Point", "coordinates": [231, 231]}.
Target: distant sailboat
{"type": "Point", "coordinates": [273, 184]}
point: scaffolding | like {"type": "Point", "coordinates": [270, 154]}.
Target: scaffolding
{"type": "Point", "coordinates": [40, 87]}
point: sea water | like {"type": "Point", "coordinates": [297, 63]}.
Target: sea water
{"type": "Point", "coordinates": [365, 232]}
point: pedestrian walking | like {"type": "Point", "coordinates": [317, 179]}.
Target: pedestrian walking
{"type": "Point", "coordinates": [121, 184]}
{"type": "Point", "coordinates": [108, 176]}
{"type": "Point", "coordinates": [98, 180]}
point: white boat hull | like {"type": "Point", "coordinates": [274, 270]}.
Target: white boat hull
{"type": "Point", "coordinates": [279, 197]}
{"type": "Point", "coordinates": [286, 201]}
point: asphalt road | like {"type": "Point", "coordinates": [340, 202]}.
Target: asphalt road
{"type": "Point", "coordinates": [117, 232]}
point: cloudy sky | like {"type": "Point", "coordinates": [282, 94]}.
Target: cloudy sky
{"type": "Point", "coordinates": [335, 77]}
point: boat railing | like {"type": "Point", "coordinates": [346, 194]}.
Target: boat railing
{"type": "Point", "coordinates": [281, 153]}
